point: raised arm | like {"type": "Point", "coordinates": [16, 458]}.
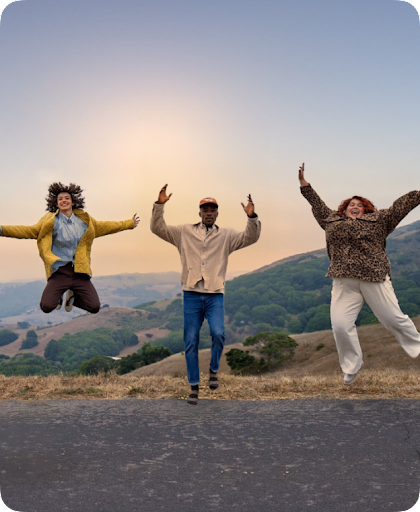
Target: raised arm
{"type": "Point", "coordinates": [400, 208]}
{"type": "Point", "coordinates": [319, 209]}
{"type": "Point", "coordinates": [252, 232]}
{"type": "Point", "coordinates": [158, 226]}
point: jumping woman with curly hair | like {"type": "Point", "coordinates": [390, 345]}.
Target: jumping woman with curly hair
{"type": "Point", "coordinates": [356, 238]}
{"type": "Point", "coordinates": [64, 237]}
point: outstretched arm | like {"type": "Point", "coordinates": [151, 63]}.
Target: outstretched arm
{"type": "Point", "coordinates": [108, 227]}
{"type": "Point", "coordinates": [252, 232]}
{"type": "Point", "coordinates": [319, 209]}
{"type": "Point", "coordinates": [21, 231]}
{"type": "Point", "coordinates": [400, 208]}
{"type": "Point", "coordinates": [158, 226]}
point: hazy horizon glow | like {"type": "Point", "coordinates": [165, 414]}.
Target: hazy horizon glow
{"type": "Point", "coordinates": [214, 98]}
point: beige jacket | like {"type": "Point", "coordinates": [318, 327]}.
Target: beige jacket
{"type": "Point", "coordinates": [204, 255]}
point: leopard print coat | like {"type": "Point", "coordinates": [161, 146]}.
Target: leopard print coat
{"type": "Point", "coordinates": [356, 248]}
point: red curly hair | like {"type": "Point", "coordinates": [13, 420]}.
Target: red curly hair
{"type": "Point", "coordinates": [367, 205]}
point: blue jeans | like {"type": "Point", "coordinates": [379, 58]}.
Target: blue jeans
{"type": "Point", "coordinates": [198, 306]}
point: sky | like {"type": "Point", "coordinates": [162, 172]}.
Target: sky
{"type": "Point", "coordinates": [216, 98]}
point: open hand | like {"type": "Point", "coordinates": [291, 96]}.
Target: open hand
{"type": "Point", "coordinates": [136, 220]}
{"type": "Point", "coordinates": [162, 195]}
{"type": "Point", "coordinates": [249, 208]}
{"type": "Point", "coordinates": [303, 182]}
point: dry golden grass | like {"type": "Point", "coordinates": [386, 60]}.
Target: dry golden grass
{"type": "Point", "coordinates": [370, 384]}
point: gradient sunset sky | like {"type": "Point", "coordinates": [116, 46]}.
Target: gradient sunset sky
{"type": "Point", "coordinates": [215, 98]}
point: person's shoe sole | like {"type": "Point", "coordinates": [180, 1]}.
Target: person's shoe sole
{"type": "Point", "coordinates": [58, 306]}
{"type": "Point", "coordinates": [69, 301]}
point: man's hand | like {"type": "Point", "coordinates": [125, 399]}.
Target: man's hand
{"type": "Point", "coordinates": [303, 182]}
{"type": "Point", "coordinates": [162, 195]}
{"type": "Point", "coordinates": [136, 220]}
{"type": "Point", "coordinates": [249, 208]}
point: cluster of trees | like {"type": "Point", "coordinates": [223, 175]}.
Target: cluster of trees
{"type": "Point", "coordinates": [7, 337]}
{"type": "Point", "coordinates": [27, 364]}
{"type": "Point", "coordinates": [295, 297]}
{"type": "Point", "coordinates": [30, 341]}
{"type": "Point", "coordinates": [143, 357]}
{"type": "Point", "coordinates": [73, 349]}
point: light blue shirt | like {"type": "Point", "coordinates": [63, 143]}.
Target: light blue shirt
{"type": "Point", "coordinates": [66, 236]}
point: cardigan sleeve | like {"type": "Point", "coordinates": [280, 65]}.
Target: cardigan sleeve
{"type": "Point", "coordinates": [319, 209]}
{"type": "Point", "coordinates": [108, 227]}
{"type": "Point", "coordinates": [400, 208]}
{"type": "Point", "coordinates": [21, 231]}
{"type": "Point", "coordinates": [158, 226]}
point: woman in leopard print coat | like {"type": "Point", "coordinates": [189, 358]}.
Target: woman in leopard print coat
{"type": "Point", "coordinates": [356, 238]}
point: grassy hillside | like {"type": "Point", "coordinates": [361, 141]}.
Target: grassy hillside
{"type": "Point", "coordinates": [381, 353]}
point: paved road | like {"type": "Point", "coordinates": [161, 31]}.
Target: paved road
{"type": "Point", "coordinates": [164, 455]}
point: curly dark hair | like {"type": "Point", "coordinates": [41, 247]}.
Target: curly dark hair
{"type": "Point", "coordinates": [56, 188]}
{"type": "Point", "coordinates": [367, 205]}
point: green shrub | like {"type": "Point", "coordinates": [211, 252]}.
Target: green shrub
{"type": "Point", "coordinates": [7, 337]}
{"type": "Point", "coordinates": [238, 359]}
{"type": "Point", "coordinates": [273, 347]}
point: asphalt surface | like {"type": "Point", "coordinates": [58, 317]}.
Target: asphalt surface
{"type": "Point", "coordinates": [164, 455]}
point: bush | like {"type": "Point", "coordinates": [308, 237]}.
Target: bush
{"type": "Point", "coordinates": [96, 365]}
{"type": "Point", "coordinates": [23, 325]}
{"type": "Point", "coordinates": [238, 359]}
{"type": "Point", "coordinates": [273, 347]}
{"type": "Point", "coordinates": [7, 337]}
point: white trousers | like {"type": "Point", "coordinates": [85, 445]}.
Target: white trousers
{"type": "Point", "coordinates": [347, 298]}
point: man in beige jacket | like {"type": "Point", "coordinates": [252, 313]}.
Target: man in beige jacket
{"type": "Point", "coordinates": [204, 249]}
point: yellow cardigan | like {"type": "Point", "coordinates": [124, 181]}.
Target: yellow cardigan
{"type": "Point", "coordinates": [43, 229]}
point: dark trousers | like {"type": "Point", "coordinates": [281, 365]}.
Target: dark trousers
{"type": "Point", "coordinates": [63, 279]}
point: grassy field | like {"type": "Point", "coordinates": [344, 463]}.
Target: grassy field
{"type": "Point", "coordinates": [371, 384]}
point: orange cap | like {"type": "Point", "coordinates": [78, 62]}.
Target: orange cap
{"type": "Point", "coordinates": [208, 200]}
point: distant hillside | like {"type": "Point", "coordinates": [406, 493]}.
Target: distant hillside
{"type": "Point", "coordinates": [293, 295]}
{"type": "Point", "coordinates": [114, 318]}
{"type": "Point", "coordinates": [20, 301]}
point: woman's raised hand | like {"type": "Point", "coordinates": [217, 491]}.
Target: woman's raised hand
{"type": "Point", "coordinates": [303, 182]}
{"type": "Point", "coordinates": [162, 195]}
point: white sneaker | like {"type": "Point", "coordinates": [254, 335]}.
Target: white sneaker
{"type": "Point", "coordinates": [350, 378]}
{"type": "Point", "coordinates": [69, 300]}
{"type": "Point", "coordinates": [58, 306]}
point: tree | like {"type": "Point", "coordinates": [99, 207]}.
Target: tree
{"type": "Point", "coordinates": [273, 347]}
{"type": "Point", "coordinates": [96, 365]}
{"type": "Point", "coordinates": [7, 337]}
{"type": "Point", "coordinates": [144, 356]}
{"type": "Point", "coordinates": [154, 354]}
{"type": "Point", "coordinates": [23, 325]}
{"type": "Point", "coordinates": [31, 340]}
